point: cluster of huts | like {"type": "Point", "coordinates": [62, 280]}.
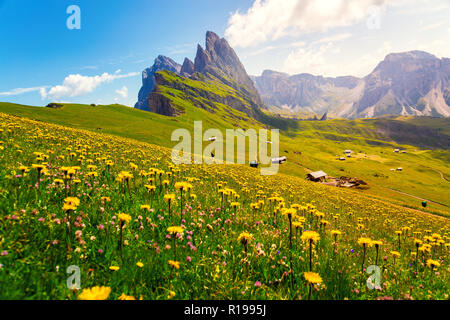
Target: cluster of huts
{"type": "Point", "coordinates": [347, 153]}
{"type": "Point", "coordinates": [322, 177]}
{"type": "Point", "coordinates": [279, 160]}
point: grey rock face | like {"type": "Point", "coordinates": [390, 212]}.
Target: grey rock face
{"type": "Point", "coordinates": [148, 79]}
{"type": "Point", "coordinates": [303, 91]}
{"type": "Point", "coordinates": [220, 60]}
{"type": "Point", "coordinates": [409, 83]}
{"type": "Point", "coordinates": [187, 68]}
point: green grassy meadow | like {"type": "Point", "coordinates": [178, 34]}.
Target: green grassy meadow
{"type": "Point", "coordinates": [321, 143]}
{"type": "Point", "coordinates": [139, 227]}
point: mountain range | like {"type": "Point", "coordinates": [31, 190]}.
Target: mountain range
{"type": "Point", "coordinates": [409, 83]}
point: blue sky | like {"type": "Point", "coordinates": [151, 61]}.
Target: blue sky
{"type": "Point", "coordinates": [41, 60]}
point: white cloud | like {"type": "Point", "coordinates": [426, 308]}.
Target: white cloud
{"type": "Point", "coordinates": [439, 48]}
{"type": "Point", "coordinates": [433, 26]}
{"type": "Point", "coordinates": [308, 60]}
{"type": "Point", "coordinates": [319, 61]}
{"type": "Point", "coordinates": [262, 50]}
{"type": "Point", "coordinates": [43, 93]}
{"type": "Point", "coordinates": [269, 20]}
{"type": "Point", "coordinates": [334, 38]}
{"type": "Point", "coordinates": [19, 91]}
{"type": "Point", "coordinates": [76, 85]}
{"type": "Point", "coordinates": [298, 44]}
{"type": "Point", "coordinates": [123, 92]}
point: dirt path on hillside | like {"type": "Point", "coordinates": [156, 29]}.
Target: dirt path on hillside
{"type": "Point", "coordinates": [423, 199]}
{"type": "Point", "coordinates": [305, 168]}
{"type": "Point", "coordinates": [442, 175]}
{"type": "Point", "coordinates": [403, 207]}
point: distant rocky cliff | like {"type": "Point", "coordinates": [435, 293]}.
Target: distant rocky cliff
{"type": "Point", "coordinates": [409, 83]}
{"type": "Point", "coordinates": [148, 79]}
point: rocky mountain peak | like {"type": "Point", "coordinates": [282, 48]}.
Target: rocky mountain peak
{"type": "Point", "coordinates": [221, 61]}
{"type": "Point", "coordinates": [187, 68]}
{"type": "Point", "coordinates": [271, 73]}
{"type": "Point", "coordinates": [211, 39]}
{"type": "Point", "coordinates": [148, 79]}
{"type": "Point", "coordinates": [415, 54]}
{"type": "Point", "coordinates": [217, 63]}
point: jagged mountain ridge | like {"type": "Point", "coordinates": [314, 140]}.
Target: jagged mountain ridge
{"type": "Point", "coordinates": [409, 83]}
{"type": "Point", "coordinates": [148, 79]}
{"type": "Point", "coordinates": [216, 76]}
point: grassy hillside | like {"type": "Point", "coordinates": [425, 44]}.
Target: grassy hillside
{"type": "Point", "coordinates": [320, 144]}
{"type": "Point", "coordinates": [140, 227]}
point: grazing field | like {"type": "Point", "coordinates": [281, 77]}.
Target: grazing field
{"type": "Point", "coordinates": [140, 227]}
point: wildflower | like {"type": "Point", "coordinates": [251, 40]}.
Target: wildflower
{"type": "Point", "coordinates": [123, 217]}
{"type": "Point", "coordinates": [235, 204]}
{"type": "Point", "coordinates": [335, 234]}
{"type": "Point", "coordinates": [310, 236]}
{"type": "Point", "coordinates": [95, 293]}
{"type": "Point", "coordinates": [114, 268]}
{"type": "Point", "coordinates": [312, 277]}
{"type": "Point", "coordinates": [433, 263]}
{"type": "Point", "coordinates": [71, 203]}
{"type": "Point", "coordinates": [289, 212]}
{"type": "Point", "coordinates": [183, 186]}
{"type": "Point", "coordinates": [395, 254]}
{"type": "Point", "coordinates": [125, 297]}
{"type": "Point", "coordinates": [175, 230]}
{"type": "Point", "coordinates": [58, 181]}
{"type": "Point", "coordinates": [365, 242]}
{"type": "Point", "coordinates": [105, 199]}
{"type": "Point", "coordinates": [377, 245]}
{"type": "Point", "coordinates": [140, 264]}
{"type": "Point", "coordinates": [169, 197]}
{"type": "Point", "coordinates": [174, 264]}
{"type": "Point", "coordinates": [245, 237]}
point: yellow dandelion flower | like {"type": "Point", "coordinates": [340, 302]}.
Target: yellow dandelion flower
{"type": "Point", "coordinates": [169, 197]}
{"type": "Point", "coordinates": [175, 264]}
{"type": "Point", "coordinates": [365, 242]}
{"type": "Point", "coordinates": [125, 297]}
{"type": "Point", "coordinates": [310, 236]}
{"type": "Point", "coordinates": [123, 217]}
{"type": "Point", "coordinates": [95, 293]}
{"type": "Point", "coordinates": [312, 277]}
{"type": "Point", "coordinates": [433, 263]}
{"type": "Point", "coordinates": [245, 237]}
{"type": "Point", "coordinates": [175, 230]}
{"type": "Point", "coordinates": [171, 294]}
